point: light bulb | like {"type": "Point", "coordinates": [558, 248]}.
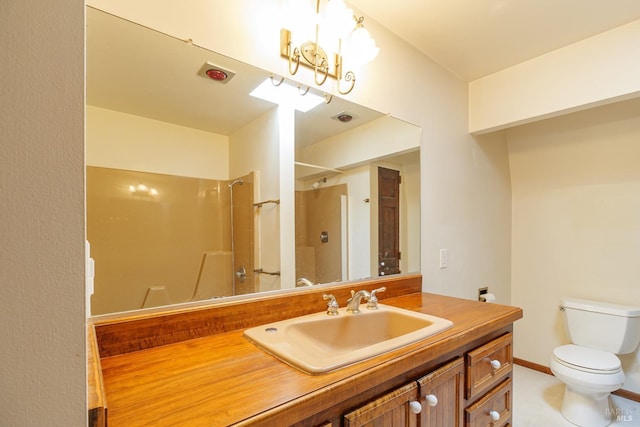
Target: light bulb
{"type": "Point", "coordinates": [361, 47]}
{"type": "Point", "coordinates": [338, 20]}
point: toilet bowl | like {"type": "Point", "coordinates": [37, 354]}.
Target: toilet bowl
{"type": "Point", "coordinates": [590, 376]}
{"type": "Point", "coordinates": [589, 367]}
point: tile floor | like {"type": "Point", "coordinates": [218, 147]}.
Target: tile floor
{"type": "Point", "coordinates": [537, 398]}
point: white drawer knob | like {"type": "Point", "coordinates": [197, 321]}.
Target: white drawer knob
{"type": "Point", "coordinates": [495, 415]}
{"type": "Point", "coordinates": [495, 364]}
{"type": "Point", "coordinates": [415, 407]}
{"type": "Point", "coordinates": [431, 399]}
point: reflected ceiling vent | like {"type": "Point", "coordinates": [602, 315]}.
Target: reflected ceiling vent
{"type": "Point", "coordinates": [216, 73]}
{"type": "Point", "coordinates": [344, 117]}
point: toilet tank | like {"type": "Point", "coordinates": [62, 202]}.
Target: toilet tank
{"type": "Point", "coordinates": [600, 325]}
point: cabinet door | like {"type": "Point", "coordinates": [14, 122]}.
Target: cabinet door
{"type": "Point", "coordinates": [392, 409]}
{"type": "Point", "coordinates": [441, 396]}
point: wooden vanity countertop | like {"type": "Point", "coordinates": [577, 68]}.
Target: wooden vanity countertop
{"type": "Point", "coordinates": [223, 379]}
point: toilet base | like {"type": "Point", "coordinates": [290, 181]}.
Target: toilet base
{"type": "Point", "coordinates": [592, 410]}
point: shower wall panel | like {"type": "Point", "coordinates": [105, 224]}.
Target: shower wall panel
{"type": "Point", "coordinates": [318, 212]}
{"type": "Point", "coordinates": [141, 240]}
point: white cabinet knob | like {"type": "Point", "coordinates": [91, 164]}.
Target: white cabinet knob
{"type": "Point", "coordinates": [431, 399]}
{"type": "Point", "coordinates": [415, 407]}
{"type": "Point", "coordinates": [495, 415]}
{"type": "Point", "coordinates": [495, 364]}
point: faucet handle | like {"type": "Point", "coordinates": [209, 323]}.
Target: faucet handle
{"type": "Point", "coordinates": [332, 305]}
{"type": "Point", "coordinates": [372, 303]}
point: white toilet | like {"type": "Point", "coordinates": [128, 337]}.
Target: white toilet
{"type": "Point", "coordinates": [589, 367]}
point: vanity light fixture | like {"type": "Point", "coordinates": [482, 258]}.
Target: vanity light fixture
{"type": "Point", "coordinates": [142, 190]}
{"type": "Point", "coordinates": [335, 26]}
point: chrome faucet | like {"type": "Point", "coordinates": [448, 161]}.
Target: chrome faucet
{"type": "Point", "coordinates": [353, 303]}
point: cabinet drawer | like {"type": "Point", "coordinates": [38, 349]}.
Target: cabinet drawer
{"type": "Point", "coordinates": [497, 402]}
{"type": "Point", "coordinates": [487, 365]}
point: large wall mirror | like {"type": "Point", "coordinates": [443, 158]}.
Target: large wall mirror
{"type": "Point", "coordinates": [184, 178]}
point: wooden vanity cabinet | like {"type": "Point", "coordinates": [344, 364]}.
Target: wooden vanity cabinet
{"type": "Point", "coordinates": [471, 391]}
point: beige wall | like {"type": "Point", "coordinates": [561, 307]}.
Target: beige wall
{"type": "Point", "coordinates": [575, 77]}
{"type": "Point", "coordinates": [42, 350]}
{"type": "Point", "coordinates": [576, 220]}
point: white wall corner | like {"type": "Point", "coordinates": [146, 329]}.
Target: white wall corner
{"type": "Point", "coordinates": [596, 71]}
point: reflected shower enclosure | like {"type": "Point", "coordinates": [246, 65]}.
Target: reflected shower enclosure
{"type": "Point", "coordinates": [172, 244]}
{"type": "Point", "coordinates": [320, 232]}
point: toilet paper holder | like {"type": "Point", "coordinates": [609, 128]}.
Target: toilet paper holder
{"type": "Point", "coordinates": [481, 294]}
{"type": "Point", "coordinates": [485, 296]}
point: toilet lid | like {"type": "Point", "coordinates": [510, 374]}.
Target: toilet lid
{"type": "Point", "coordinates": [587, 359]}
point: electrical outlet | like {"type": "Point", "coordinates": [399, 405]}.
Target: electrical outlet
{"type": "Point", "coordinates": [444, 258]}
{"type": "Point", "coordinates": [482, 292]}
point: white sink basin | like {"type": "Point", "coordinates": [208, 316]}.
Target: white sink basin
{"type": "Point", "coordinates": [319, 343]}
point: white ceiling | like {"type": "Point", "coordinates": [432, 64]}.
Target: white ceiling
{"type": "Point", "coordinates": [474, 38]}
